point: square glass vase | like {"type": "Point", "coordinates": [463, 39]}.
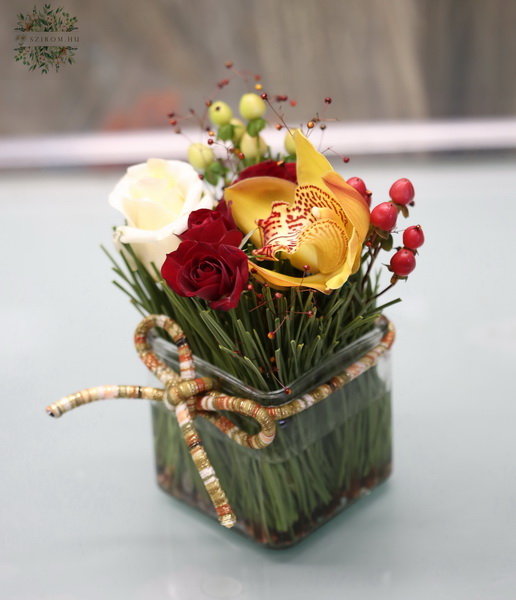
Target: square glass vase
{"type": "Point", "coordinates": [321, 461]}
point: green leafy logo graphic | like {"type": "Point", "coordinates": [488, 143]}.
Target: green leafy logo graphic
{"type": "Point", "coordinates": [37, 48]}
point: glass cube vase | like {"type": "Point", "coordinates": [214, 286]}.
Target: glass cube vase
{"type": "Point", "coordinates": [321, 461]}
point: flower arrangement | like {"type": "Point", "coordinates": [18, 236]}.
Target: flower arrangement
{"type": "Point", "coordinates": [267, 263]}
{"type": "Point", "coordinates": [259, 256]}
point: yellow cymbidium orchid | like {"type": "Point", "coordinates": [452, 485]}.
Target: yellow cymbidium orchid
{"type": "Point", "coordinates": [319, 225]}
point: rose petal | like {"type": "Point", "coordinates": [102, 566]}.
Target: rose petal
{"type": "Point", "coordinates": [152, 227]}
{"type": "Point", "coordinates": [210, 271]}
{"type": "Point", "coordinates": [145, 214]}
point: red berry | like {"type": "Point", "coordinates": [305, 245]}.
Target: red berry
{"type": "Point", "coordinates": [384, 216]}
{"type": "Point", "coordinates": [413, 237]}
{"type": "Point", "coordinates": [403, 262]}
{"type": "Point", "coordinates": [358, 184]}
{"type": "Point", "coordinates": [402, 192]}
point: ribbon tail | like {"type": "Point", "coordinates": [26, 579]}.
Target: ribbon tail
{"type": "Point", "coordinates": [103, 392]}
{"type": "Point", "coordinates": [195, 446]}
{"type": "Point", "coordinates": [210, 480]}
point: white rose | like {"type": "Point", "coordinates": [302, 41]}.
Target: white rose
{"type": "Point", "coordinates": [156, 198]}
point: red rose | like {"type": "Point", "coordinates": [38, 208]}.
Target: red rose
{"type": "Point", "coordinates": [270, 168]}
{"type": "Point", "coordinates": [224, 208]}
{"type": "Point", "coordinates": [216, 272]}
{"type": "Point", "coordinates": [212, 226]}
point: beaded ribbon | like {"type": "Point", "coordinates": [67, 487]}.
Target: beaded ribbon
{"type": "Point", "coordinates": [190, 396]}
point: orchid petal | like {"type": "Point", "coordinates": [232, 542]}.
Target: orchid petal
{"type": "Point", "coordinates": [355, 248]}
{"type": "Point", "coordinates": [280, 281]}
{"type": "Point", "coordinates": [311, 165]}
{"type": "Point", "coordinates": [351, 201]}
{"type": "Point", "coordinates": [251, 200]}
{"type": "Point", "coordinates": [330, 242]}
{"type": "Point", "coordinates": [350, 265]}
{"type": "Point", "coordinates": [315, 222]}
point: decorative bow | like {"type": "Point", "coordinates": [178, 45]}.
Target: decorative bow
{"type": "Point", "coordinates": [186, 395]}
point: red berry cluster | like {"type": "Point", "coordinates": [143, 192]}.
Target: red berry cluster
{"type": "Point", "coordinates": [383, 221]}
{"type": "Point", "coordinates": [385, 215]}
{"type": "Point", "coordinates": [404, 261]}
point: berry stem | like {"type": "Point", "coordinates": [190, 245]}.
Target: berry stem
{"type": "Point", "coordinates": [394, 281]}
{"type": "Point", "coordinates": [373, 253]}
{"type": "Point", "coordinates": [277, 113]}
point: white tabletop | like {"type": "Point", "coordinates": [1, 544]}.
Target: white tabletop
{"type": "Point", "coordinates": [81, 516]}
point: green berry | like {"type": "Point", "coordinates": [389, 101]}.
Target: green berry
{"type": "Point", "coordinates": [252, 107]}
{"type": "Point", "coordinates": [200, 156]}
{"type": "Point", "coordinates": [238, 129]}
{"type": "Point", "coordinates": [290, 146]}
{"type": "Point", "coordinates": [253, 147]}
{"type": "Point", "coordinates": [220, 113]}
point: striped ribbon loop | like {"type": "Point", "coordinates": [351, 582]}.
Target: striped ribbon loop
{"type": "Point", "coordinates": [188, 396]}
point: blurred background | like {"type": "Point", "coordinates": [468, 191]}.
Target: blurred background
{"type": "Point", "coordinates": [402, 60]}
